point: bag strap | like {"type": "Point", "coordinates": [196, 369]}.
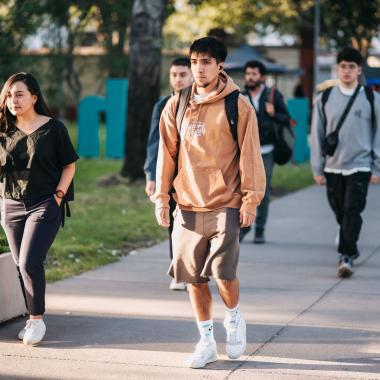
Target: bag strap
{"type": "Point", "coordinates": [232, 112]}
{"type": "Point", "coordinates": [371, 99]}
{"type": "Point", "coordinates": [347, 109]}
{"type": "Point", "coordinates": [184, 97]}
{"type": "Point", "coordinates": [325, 96]}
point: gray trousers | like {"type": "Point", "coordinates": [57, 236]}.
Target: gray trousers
{"type": "Point", "coordinates": [262, 210]}
{"type": "Point", "coordinates": [31, 227]}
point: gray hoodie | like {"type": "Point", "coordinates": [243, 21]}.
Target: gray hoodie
{"type": "Point", "coordinates": [359, 144]}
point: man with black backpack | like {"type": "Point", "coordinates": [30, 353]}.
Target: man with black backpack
{"type": "Point", "coordinates": [180, 77]}
{"type": "Point", "coordinates": [210, 151]}
{"type": "Point", "coordinates": [345, 151]}
{"type": "Point", "coordinates": [270, 109]}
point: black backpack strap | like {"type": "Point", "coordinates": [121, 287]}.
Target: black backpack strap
{"type": "Point", "coordinates": [325, 97]}
{"type": "Point", "coordinates": [184, 98]}
{"type": "Point", "coordinates": [371, 99]}
{"type": "Point", "coordinates": [232, 112]}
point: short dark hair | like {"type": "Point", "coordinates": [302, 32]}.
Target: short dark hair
{"type": "Point", "coordinates": [181, 61]}
{"type": "Point", "coordinates": [256, 65]}
{"type": "Point", "coordinates": [350, 54]}
{"type": "Point", "coordinates": [210, 45]}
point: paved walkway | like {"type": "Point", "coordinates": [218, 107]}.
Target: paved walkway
{"type": "Point", "coordinates": [121, 321]}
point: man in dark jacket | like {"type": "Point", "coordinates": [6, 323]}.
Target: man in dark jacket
{"type": "Point", "coordinates": [180, 77]}
{"type": "Point", "coordinates": [270, 109]}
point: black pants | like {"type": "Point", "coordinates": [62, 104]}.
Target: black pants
{"type": "Point", "coordinates": [347, 197]}
{"type": "Point", "coordinates": [31, 227]}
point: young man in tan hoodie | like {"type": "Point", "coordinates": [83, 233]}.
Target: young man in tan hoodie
{"type": "Point", "coordinates": [218, 184]}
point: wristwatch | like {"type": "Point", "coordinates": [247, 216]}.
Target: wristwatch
{"type": "Point", "coordinates": [60, 194]}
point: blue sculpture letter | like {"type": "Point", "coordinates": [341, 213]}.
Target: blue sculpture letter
{"type": "Point", "coordinates": [114, 105]}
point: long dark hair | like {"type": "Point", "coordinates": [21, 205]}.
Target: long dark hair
{"type": "Point", "coordinates": [7, 120]}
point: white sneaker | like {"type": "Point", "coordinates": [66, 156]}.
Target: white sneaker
{"type": "Point", "coordinates": [204, 353]}
{"type": "Point", "coordinates": [236, 336]}
{"type": "Point", "coordinates": [22, 332]}
{"type": "Point", "coordinates": [35, 332]}
{"type": "Point", "coordinates": [177, 285]}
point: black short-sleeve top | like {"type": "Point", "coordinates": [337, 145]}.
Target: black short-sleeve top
{"type": "Point", "coordinates": [32, 164]}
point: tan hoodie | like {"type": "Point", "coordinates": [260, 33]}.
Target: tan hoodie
{"type": "Point", "coordinates": [211, 174]}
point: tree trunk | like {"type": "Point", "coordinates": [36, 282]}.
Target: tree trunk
{"type": "Point", "coordinates": [307, 61]}
{"type": "Point", "coordinates": [144, 80]}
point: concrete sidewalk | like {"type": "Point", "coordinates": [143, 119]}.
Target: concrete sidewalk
{"type": "Point", "coordinates": [121, 321]}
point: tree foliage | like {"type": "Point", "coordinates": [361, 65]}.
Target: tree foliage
{"type": "Point", "coordinates": [343, 22]}
{"type": "Point", "coordinates": [114, 17]}
{"type": "Point", "coordinates": [351, 22]}
{"type": "Point", "coordinates": [18, 19]}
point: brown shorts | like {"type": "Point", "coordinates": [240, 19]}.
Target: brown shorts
{"type": "Point", "coordinates": [205, 244]}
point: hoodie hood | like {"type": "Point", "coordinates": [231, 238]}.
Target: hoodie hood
{"type": "Point", "coordinates": [225, 86]}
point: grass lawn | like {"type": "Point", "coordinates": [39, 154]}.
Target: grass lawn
{"type": "Point", "coordinates": [108, 222]}
{"type": "Point", "coordinates": [291, 177]}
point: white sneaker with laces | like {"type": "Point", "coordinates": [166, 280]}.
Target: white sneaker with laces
{"type": "Point", "coordinates": [35, 332]}
{"type": "Point", "coordinates": [177, 285]}
{"type": "Point", "coordinates": [205, 352]}
{"type": "Point", "coordinates": [236, 336]}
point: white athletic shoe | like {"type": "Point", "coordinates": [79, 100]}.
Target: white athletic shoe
{"type": "Point", "coordinates": [177, 285]}
{"type": "Point", "coordinates": [35, 332]}
{"type": "Point", "coordinates": [204, 353]}
{"type": "Point", "coordinates": [236, 336]}
{"type": "Point", "coordinates": [23, 331]}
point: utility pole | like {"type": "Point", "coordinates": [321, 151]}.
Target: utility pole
{"type": "Point", "coordinates": [317, 31]}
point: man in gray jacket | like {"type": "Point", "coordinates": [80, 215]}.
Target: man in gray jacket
{"type": "Point", "coordinates": [355, 163]}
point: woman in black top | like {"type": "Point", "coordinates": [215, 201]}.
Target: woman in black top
{"type": "Point", "coordinates": [37, 166]}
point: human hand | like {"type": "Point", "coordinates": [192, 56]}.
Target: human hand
{"type": "Point", "coordinates": [320, 180]}
{"type": "Point", "coordinates": [270, 109]}
{"type": "Point", "coordinates": [150, 188]}
{"type": "Point", "coordinates": [58, 200]}
{"type": "Point", "coordinates": [162, 216]}
{"type": "Point", "coordinates": [375, 179]}
{"type": "Point", "coordinates": [246, 219]}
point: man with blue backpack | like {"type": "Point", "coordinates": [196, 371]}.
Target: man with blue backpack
{"type": "Point", "coordinates": [345, 151]}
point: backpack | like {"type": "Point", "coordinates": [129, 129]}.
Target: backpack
{"type": "Point", "coordinates": [284, 138]}
{"type": "Point", "coordinates": [230, 104]}
{"type": "Point", "coordinates": [370, 97]}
